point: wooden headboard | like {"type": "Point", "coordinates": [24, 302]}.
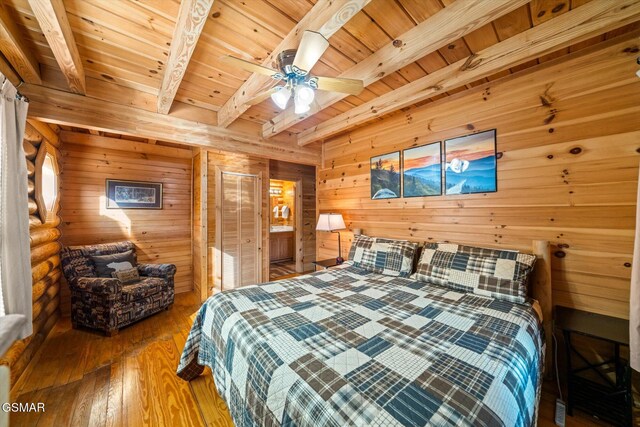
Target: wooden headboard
{"type": "Point", "coordinates": [540, 289]}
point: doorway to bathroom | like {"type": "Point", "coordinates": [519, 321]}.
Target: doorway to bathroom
{"type": "Point", "coordinates": [284, 229]}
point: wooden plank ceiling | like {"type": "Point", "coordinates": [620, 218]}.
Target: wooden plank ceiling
{"type": "Point", "coordinates": [125, 46]}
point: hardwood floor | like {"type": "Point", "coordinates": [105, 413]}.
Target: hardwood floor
{"type": "Point", "coordinates": [280, 269]}
{"type": "Point", "coordinates": [86, 379]}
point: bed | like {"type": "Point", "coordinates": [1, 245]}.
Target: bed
{"type": "Point", "coordinates": [349, 346]}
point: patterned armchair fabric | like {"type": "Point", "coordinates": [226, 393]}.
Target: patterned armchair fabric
{"type": "Point", "coordinates": [157, 270]}
{"type": "Point", "coordinates": [105, 303]}
{"type": "Point", "coordinates": [99, 285]}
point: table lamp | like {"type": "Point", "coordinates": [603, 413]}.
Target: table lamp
{"type": "Point", "coordinates": [332, 222]}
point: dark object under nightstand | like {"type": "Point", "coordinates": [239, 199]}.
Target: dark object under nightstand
{"type": "Point", "coordinates": [599, 395]}
{"type": "Point", "coordinates": [326, 263]}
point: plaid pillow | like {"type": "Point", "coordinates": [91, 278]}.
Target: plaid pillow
{"type": "Point", "coordinates": [495, 273]}
{"type": "Point", "coordinates": [360, 243]}
{"type": "Point", "coordinates": [385, 256]}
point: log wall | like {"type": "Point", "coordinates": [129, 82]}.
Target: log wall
{"type": "Point", "coordinates": [568, 138]}
{"type": "Point", "coordinates": [45, 261]}
{"type": "Point", "coordinates": [160, 236]}
{"type": "Point", "coordinates": [294, 172]}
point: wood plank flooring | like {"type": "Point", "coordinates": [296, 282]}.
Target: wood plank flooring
{"type": "Point", "coordinates": [283, 268]}
{"type": "Point", "coordinates": [86, 379]}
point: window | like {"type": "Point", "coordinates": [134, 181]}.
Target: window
{"type": "Point", "coordinates": [46, 182]}
{"type": "Point", "coordinates": [49, 182]}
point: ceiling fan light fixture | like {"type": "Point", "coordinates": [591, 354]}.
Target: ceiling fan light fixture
{"type": "Point", "coordinates": [281, 97]}
{"type": "Point", "coordinates": [301, 107]}
{"type": "Point", "coordinates": [304, 94]}
{"type": "Point", "coordinates": [303, 98]}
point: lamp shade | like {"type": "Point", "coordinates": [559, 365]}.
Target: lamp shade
{"type": "Point", "coordinates": [302, 99]}
{"type": "Point", "coordinates": [300, 108]}
{"type": "Point", "coordinates": [281, 97]}
{"type": "Point", "coordinates": [330, 222]}
{"type": "Point", "coordinates": [304, 94]}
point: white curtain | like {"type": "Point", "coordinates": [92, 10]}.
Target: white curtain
{"type": "Point", "coordinates": [634, 300]}
{"type": "Point", "coordinates": [15, 252]}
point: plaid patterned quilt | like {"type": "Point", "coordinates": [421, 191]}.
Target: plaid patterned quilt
{"type": "Point", "coordinates": [347, 347]}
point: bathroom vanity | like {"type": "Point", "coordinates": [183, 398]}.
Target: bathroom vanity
{"type": "Point", "coordinates": [282, 243]}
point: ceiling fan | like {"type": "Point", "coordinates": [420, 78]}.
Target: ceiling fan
{"type": "Point", "coordinates": [294, 68]}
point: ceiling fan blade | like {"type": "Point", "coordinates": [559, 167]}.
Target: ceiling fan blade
{"type": "Point", "coordinates": [249, 66]}
{"type": "Point", "coordinates": [311, 48]}
{"type": "Point", "coordinates": [262, 96]}
{"type": "Point", "coordinates": [336, 84]}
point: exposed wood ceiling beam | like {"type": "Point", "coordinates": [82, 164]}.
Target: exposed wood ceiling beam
{"type": "Point", "coordinates": [589, 20]}
{"type": "Point", "coordinates": [69, 137]}
{"type": "Point", "coordinates": [70, 109]}
{"type": "Point", "coordinates": [8, 72]}
{"type": "Point", "coordinates": [191, 19]}
{"type": "Point", "coordinates": [52, 18]}
{"type": "Point", "coordinates": [444, 27]}
{"type": "Point", "coordinates": [13, 48]}
{"type": "Point", "coordinates": [326, 17]}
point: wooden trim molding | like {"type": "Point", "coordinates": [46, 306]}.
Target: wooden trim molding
{"type": "Point", "coordinates": [45, 213]}
{"type": "Point", "coordinates": [541, 290]}
{"type": "Point", "coordinates": [52, 18]}
{"type": "Point", "coordinates": [446, 26]}
{"type": "Point", "coordinates": [199, 223]}
{"type": "Point", "coordinates": [572, 27]}
{"type": "Point", "coordinates": [191, 19]}
{"type": "Point", "coordinates": [299, 234]}
{"type": "Point", "coordinates": [203, 231]}
{"type": "Point", "coordinates": [326, 17]}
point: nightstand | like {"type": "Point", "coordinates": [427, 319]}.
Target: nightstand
{"type": "Point", "coordinates": [590, 388]}
{"type": "Point", "coordinates": [325, 264]}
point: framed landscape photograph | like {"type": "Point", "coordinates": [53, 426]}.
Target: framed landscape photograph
{"type": "Point", "coordinates": [385, 176]}
{"type": "Point", "coordinates": [133, 194]}
{"type": "Point", "coordinates": [470, 164]}
{"type": "Point", "coordinates": [422, 171]}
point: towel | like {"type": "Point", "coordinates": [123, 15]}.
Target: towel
{"type": "Point", "coordinates": [285, 211]}
{"type": "Point", "coordinates": [276, 211]}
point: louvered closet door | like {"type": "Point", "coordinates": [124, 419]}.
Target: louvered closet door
{"type": "Point", "coordinates": [240, 231]}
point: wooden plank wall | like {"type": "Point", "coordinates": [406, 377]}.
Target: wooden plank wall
{"type": "Point", "coordinates": [568, 137]}
{"type": "Point", "coordinates": [45, 262]}
{"type": "Point", "coordinates": [294, 172]}
{"type": "Point", "coordinates": [160, 236]}
{"type": "Point", "coordinates": [238, 163]}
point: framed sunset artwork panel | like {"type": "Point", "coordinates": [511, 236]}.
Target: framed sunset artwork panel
{"type": "Point", "coordinates": [385, 176]}
{"type": "Point", "coordinates": [470, 164]}
{"type": "Point", "coordinates": [422, 171]}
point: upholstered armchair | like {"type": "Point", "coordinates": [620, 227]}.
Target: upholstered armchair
{"type": "Point", "coordinates": [106, 303]}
